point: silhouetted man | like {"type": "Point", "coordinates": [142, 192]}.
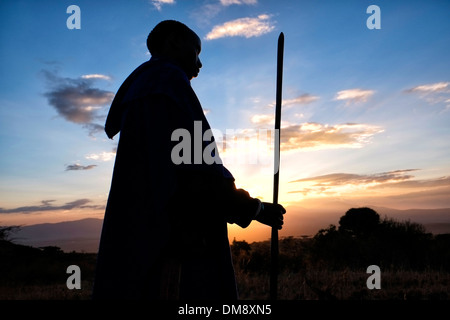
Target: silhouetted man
{"type": "Point", "coordinates": [164, 233]}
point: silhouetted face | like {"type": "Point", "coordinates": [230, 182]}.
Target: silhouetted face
{"type": "Point", "coordinates": [188, 56]}
{"type": "Point", "coordinates": [186, 53]}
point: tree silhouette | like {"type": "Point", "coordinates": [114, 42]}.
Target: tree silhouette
{"type": "Point", "coordinates": [359, 221]}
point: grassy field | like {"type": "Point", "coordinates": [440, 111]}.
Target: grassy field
{"type": "Point", "coordinates": [310, 285]}
{"type": "Point", "coordinates": [33, 274]}
{"type": "Point", "coordinates": [347, 285]}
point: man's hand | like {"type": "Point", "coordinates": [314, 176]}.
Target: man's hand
{"type": "Point", "coordinates": [271, 215]}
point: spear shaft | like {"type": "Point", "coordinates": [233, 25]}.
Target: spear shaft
{"type": "Point", "coordinates": [274, 236]}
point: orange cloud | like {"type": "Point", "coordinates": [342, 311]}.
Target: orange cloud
{"type": "Point", "coordinates": [398, 188]}
{"type": "Point", "coordinates": [305, 98]}
{"type": "Point", "coordinates": [319, 136]}
{"type": "Point", "coordinates": [338, 179]}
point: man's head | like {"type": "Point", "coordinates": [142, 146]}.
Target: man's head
{"type": "Point", "coordinates": [174, 40]}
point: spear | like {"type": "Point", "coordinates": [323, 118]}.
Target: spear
{"type": "Point", "coordinates": [274, 238]}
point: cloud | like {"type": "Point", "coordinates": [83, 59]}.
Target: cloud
{"type": "Point", "coordinates": [426, 183]}
{"type": "Point", "coordinates": [102, 156]}
{"type": "Point", "coordinates": [349, 183]}
{"type": "Point", "coordinates": [159, 3]}
{"type": "Point", "coordinates": [96, 76]}
{"type": "Point", "coordinates": [269, 119]}
{"type": "Point", "coordinates": [433, 93]}
{"type": "Point", "coordinates": [205, 13]}
{"type": "Point", "coordinates": [431, 88]}
{"type": "Point", "coordinates": [385, 186]}
{"type": "Point", "coordinates": [238, 2]}
{"type": "Point", "coordinates": [76, 100]}
{"type": "Point", "coordinates": [339, 179]}
{"type": "Point", "coordinates": [243, 27]}
{"type": "Point", "coordinates": [93, 128]}
{"type": "Point", "coordinates": [265, 119]}
{"type": "Point", "coordinates": [255, 145]}
{"type": "Point", "coordinates": [319, 136]}
{"type": "Point", "coordinates": [46, 205]}
{"type": "Point", "coordinates": [303, 99]}
{"type": "Point", "coordinates": [76, 167]}
{"type": "Point", "coordinates": [354, 95]}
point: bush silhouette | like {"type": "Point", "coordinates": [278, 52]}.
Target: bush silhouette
{"type": "Point", "coordinates": [359, 221]}
{"type": "Point", "coordinates": [363, 239]}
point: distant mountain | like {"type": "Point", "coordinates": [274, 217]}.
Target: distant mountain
{"type": "Point", "coordinates": [84, 235]}
{"type": "Point", "coordinates": [434, 220]}
{"type": "Point", "coordinates": [80, 235]}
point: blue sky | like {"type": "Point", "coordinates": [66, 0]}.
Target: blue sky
{"type": "Point", "coordinates": [366, 113]}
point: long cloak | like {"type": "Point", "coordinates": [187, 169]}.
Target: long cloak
{"type": "Point", "coordinates": [164, 233]}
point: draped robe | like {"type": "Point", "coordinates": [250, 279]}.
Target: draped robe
{"type": "Point", "coordinates": [164, 233]}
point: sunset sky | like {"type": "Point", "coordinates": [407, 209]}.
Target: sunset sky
{"type": "Point", "coordinates": [365, 120]}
